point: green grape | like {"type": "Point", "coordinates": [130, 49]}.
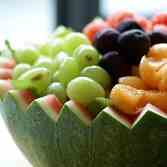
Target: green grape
{"type": "Point", "coordinates": [61, 32]}
{"type": "Point", "coordinates": [20, 69]}
{"type": "Point", "coordinates": [73, 40]}
{"type": "Point", "coordinates": [44, 49]}
{"type": "Point", "coordinates": [98, 74]}
{"type": "Point", "coordinates": [56, 46]}
{"type": "Point", "coordinates": [55, 77]}
{"type": "Point", "coordinates": [84, 90]}
{"type": "Point", "coordinates": [27, 55]}
{"type": "Point", "coordinates": [97, 105]}
{"type": "Point", "coordinates": [68, 71]}
{"type": "Point", "coordinates": [58, 90]}
{"type": "Point", "coordinates": [86, 55]}
{"type": "Point", "coordinates": [51, 48]}
{"type": "Point", "coordinates": [59, 59]}
{"type": "Point", "coordinates": [44, 62]}
{"type": "Point", "coordinates": [39, 79]}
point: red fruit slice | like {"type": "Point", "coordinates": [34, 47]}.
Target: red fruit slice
{"type": "Point", "coordinates": [80, 111]}
{"type": "Point", "coordinates": [53, 102]}
{"type": "Point", "coordinates": [95, 26]}
{"type": "Point", "coordinates": [130, 118]}
{"type": "Point", "coordinates": [5, 86]}
{"type": "Point", "coordinates": [117, 116]}
{"type": "Point", "coordinates": [144, 23]}
{"type": "Point", "coordinates": [5, 73]}
{"type": "Point", "coordinates": [115, 19]}
{"type": "Point", "coordinates": [6, 62]}
{"type": "Point", "coordinates": [27, 96]}
{"type": "Point", "coordinates": [160, 19]}
{"type": "Point", "coordinates": [23, 98]}
{"type": "Point", "coordinates": [51, 105]}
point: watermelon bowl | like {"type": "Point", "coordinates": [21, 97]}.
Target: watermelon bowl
{"type": "Point", "coordinates": [58, 129]}
{"type": "Point", "coordinates": [53, 136]}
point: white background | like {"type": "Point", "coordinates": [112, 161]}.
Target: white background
{"type": "Point", "coordinates": [26, 20]}
{"type": "Point", "coordinates": [140, 6]}
{"type": "Point", "coordinates": [10, 156]}
{"type": "Point", "coordinates": [20, 21]}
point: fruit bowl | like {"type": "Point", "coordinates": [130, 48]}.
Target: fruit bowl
{"type": "Point", "coordinates": [68, 139]}
{"type": "Point", "coordinates": [87, 99]}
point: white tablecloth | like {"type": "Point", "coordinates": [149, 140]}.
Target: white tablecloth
{"type": "Point", "coordinates": [10, 156]}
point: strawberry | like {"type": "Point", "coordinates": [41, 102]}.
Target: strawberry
{"type": "Point", "coordinates": [144, 23]}
{"type": "Point", "coordinates": [95, 26]}
{"type": "Point", "coordinates": [160, 19]}
{"type": "Point", "coordinates": [5, 73]}
{"type": "Point", "coordinates": [115, 19]}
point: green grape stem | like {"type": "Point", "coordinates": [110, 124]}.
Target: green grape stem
{"type": "Point", "coordinates": [8, 45]}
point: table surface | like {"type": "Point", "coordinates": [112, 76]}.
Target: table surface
{"type": "Point", "coordinates": [10, 156]}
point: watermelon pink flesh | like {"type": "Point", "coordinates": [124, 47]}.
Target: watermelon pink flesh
{"type": "Point", "coordinates": [133, 118]}
{"type": "Point", "coordinates": [27, 96]}
{"type": "Point", "coordinates": [6, 62]}
{"type": "Point", "coordinates": [129, 118]}
{"type": "Point", "coordinates": [80, 111]}
{"type": "Point", "coordinates": [23, 98]}
{"type": "Point", "coordinates": [51, 105]}
{"type": "Point", "coordinates": [5, 73]}
{"type": "Point", "coordinates": [53, 102]}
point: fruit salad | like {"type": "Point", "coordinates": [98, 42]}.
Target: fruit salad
{"type": "Point", "coordinates": [90, 97]}
{"type": "Point", "coordinates": [134, 53]}
{"type": "Point", "coordinates": [66, 66]}
{"type": "Point", "coordinates": [120, 60]}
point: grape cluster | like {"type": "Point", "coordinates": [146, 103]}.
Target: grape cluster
{"type": "Point", "coordinates": [83, 67]}
{"type": "Point", "coordinates": [66, 65]}
{"type": "Point", "coordinates": [125, 40]}
{"type": "Point", "coordinates": [121, 50]}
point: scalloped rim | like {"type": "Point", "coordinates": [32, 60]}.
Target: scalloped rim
{"type": "Point", "coordinates": [88, 122]}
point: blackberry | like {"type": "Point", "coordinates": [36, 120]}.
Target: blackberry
{"type": "Point", "coordinates": [115, 65]}
{"type": "Point", "coordinates": [134, 44]}
{"type": "Point", "coordinates": [128, 25]}
{"type": "Point", "coordinates": [106, 40]}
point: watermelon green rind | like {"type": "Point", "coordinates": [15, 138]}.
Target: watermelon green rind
{"type": "Point", "coordinates": [109, 138]}
{"type": "Point", "coordinates": [74, 139]}
{"type": "Point", "coordinates": [69, 141]}
{"type": "Point", "coordinates": [118, 146]}
{"type": "Point", "coordinates": [80, 113]}
{"type": "Point", "coordinates": [33, 131]}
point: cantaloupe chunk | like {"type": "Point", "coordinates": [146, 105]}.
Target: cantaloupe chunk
{"type": "Point", "coordinates": [126, 98]}
{"type": "Point", "coordinates": [157, 98]}
{"type": "Point", "coordinates": [129, 100]}
{"type": "Point", "coordinates": [148, 69]}
{"type": "Point", "coordinates": [133, 81]}
{"type": "Point", "coordinates": [158, 51]}
{"type": "Point", "coordinates": [162, 85]}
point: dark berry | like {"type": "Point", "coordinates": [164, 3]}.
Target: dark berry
{"type": "Point", "coordinates": [128, 25]}
{"type": "Point", "coordinates": [106, 40]}
{"type": "Point", "coordinates": [158, 37]}
{"type": "Point", "coordinates": [134, 44]}
{"type": "Point", "coordinates": [115, 65]}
